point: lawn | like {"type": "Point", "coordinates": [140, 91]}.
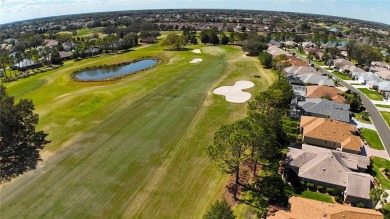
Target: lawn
{"type": "Point", "coordinates": [88, 31]}
{"type": "Point", "coordinates": [301, 53]}
{"type": "Point", "coordinates": [320, 63]}
{"type": "Point", "coordinates": [377, 164]}
{"type": "Point", "coordinates": [342, 76]}
{"type": "Point", "coordinates": [372, 138]}
{"type": "Point", "coordinates": [386, 116]}
{"type": "Point", "coordinates": [371, 94]}
{"type": "Point", "coordinates": [316, 196]}
{"type": "Point", "coordinates": [382, 105]}
{"type": "Point", "coordinates": [128, 148]}
{"type": "Point", "coordinates": [358, 117]}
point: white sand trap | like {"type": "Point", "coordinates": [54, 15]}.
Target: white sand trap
{"type": "Point", "coordinates": [196, 60]}
{"type": "Point", "coordinates": [196, 51]}
{"type": "Point", "coordinates": [234, 94]}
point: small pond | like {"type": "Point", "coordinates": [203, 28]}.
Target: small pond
{"type": "Point", "coordinates": [112, 71]}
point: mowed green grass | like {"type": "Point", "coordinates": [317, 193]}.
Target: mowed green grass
{"type": "Point", "coordinates": [377, 164]}
{"type": "Point", "coordinates": [371, 94]}
{"type": "Point", "coordinates": [134, 147]}
{"type": "Point", "coordinates": [386, 116]}
{"type": "Point", "coordinates": [342, 76]}
{"type": "Point", "coordinates": [316, 196]}
{"type": "Point", "coordinates": [372, 138]}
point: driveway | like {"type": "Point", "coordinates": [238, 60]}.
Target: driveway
{"type": "Point", "coordinates": [362, 124]}
{"type": "Point", "coordinates": [369, 152]}
{"type": "Point", "coordinates": [383, 109]}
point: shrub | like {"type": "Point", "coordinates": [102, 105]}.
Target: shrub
{"type": "Point", "coordinates": [310, 186]}
{"type": "Point", "coordinates": [360, 205]}
{"type": "Point", "coordinates": [320, 188]}
{"type": "Point", "coordinates": [330, 190]}
{"type": "Point", "coordinates": [337, 191]}
{"type": "Point", "coordinates": [339, 199]}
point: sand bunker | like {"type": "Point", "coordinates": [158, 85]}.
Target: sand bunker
{"type": "Point", "coordinates": [234, 94]}
{"type": "Point", "coordinates": [196, 60]}
{"type": "Point", "coordinates": [196, 51]}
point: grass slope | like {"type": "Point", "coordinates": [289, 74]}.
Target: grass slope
{"type": "Point", "coordinates": [386, 116]}
{"type": "Point", "coordinates": [316, 196]}
{"type": "Point", "coordinates": [378, 163]}
{"type": "Point", "coordinates": [342, 76]}
{"type": "Point", "coordinates": [372, 138]}
{"type": "Point", "coordinates": [134, 147]}
{"type": "Point", "coordinates": [371, 94]}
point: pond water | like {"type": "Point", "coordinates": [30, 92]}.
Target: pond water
{"type": "Point", "coordinates": [108, 72]}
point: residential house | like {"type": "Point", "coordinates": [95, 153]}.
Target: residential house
{"type": "Point", "coordinates": [275, 43]}
{"type": "Point", "coordinates": [321, 108]}
{"type": "Point", "coordinates": [384, 88]}
{"type": "Point", "coordinates": [290, 43]}
{"type": "Point", "coordinates": [346, 66]}
{"type": "Point", "coordinates": [370, 79]}
{"type": "Point", "coordinates": [384, 75]}
{"type": "Point", "coordinates": [299, 70]}
{"type": "Point", "coordinates": [26, 64]}
{"type": "Point", "coordinates": [332, 93]}
{"type": "Point", "coordinates": [330, 133]}
{"type": "Point", "coordinates": [302, 208]}
{"type": "Point", "coordinates": [65, 55]}
{"type": "Point", "coordinates": [68, 46]}
{"type": "Point", "coordinates": [308, 44]}
{"type": "Point", "coordinates": [312, 51]}
{"type": "Point", "coordinates": [310, 79]}
{"type": "Point", "coordinates": [331, 169]}
{"type": "Point", "coordinates": [275, 51]}
{"type": "Point", "coordinates": [296, 62]}
{"type": "Point", "coordinates": [51, 43]}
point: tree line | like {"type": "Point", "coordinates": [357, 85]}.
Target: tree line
{"type": "Point", "coordinates": [258, 139]}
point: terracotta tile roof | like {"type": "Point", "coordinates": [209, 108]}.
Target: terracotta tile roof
{"type": "Point", "coordinates": [331, 131]}
{"type": "Point", "coordinates": [320, 91]}
{"type": "Point", "coordinates": [301, 208]}
{"type": "Point", "coordinates": [294, 61]}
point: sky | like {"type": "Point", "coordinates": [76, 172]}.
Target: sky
{"type": "Point", "coordinates": [370, 10]}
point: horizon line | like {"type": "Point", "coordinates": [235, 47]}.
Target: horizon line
{"type": "Point", "coordinates": [188, 9]}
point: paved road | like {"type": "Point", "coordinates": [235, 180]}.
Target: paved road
{"type": "Point", "coordinates": [376, 117]}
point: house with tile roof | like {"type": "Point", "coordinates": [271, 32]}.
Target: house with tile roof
{"type": "Point", "coordinates": [296, 62]}
{"type": "Point", "coordinates": [323, 108]}
{"type": "Point", "coordinates": [310, 79]}
{"type": "Point", "coordinates": [346, 66]}
{"type": "Point", "coordinates": [332, 93]}
{"type": "Point", "coordinates": [301, 208]}
{"type": "Point", "coordinates": [384, 74]}
{"type": "Point", "coordinates": [330, 133]}
{"type": "Point", "coordinates": [275, 51]}
{"type": "Point", "coordinates": [330, 169]}
{"type": "Point", "coordinates": [300, 70]}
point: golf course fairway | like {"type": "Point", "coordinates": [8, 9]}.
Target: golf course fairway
{"type": "Point", "coordinates": [135, 147]}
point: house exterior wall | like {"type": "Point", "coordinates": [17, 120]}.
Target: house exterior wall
{"type": "Point", "coordinates": [324, 184]}
{"type": "Point", "coordinates": [321, 142]}
{"type": "Point", "coordinates": [355, 200]}
{"type": "Point", "coordinates": [350, 151]}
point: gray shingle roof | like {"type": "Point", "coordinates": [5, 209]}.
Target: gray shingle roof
{"type": "Point", "coordinates": [337, 111]}
{"type": "Point", "coordinates": [332, 167]}
{"type": "Point", "coordinates": [358, 185]}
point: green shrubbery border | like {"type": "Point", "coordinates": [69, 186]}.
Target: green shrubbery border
{"type": "Point", "coordinates": [114, 78]}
